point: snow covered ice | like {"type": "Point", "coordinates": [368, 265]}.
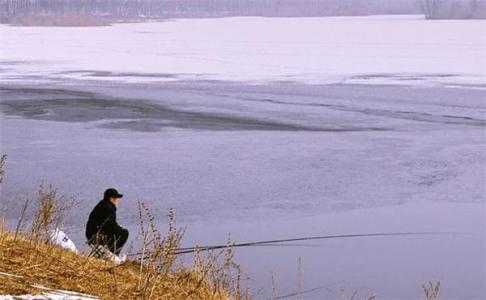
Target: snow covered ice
{"type": "Point", "coordinates": [377, 49]}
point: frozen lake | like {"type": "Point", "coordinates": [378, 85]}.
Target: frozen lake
{"type": "Point", "coordinates": [375, 49]}
{"type": "Point", "coordinates": [267, 135]}
{"type": "Point", "coordinates": [316, 161]}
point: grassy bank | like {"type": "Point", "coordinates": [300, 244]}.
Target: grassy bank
{"type": "Point", "coordinates": [54, 268]}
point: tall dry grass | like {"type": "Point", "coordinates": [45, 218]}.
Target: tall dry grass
{"type": "Point", "coordinates": [213, 275]}
{"type": "Point", "coordinates": [3, 160]}
{"type": "Point", "coordinates": [432, 290]}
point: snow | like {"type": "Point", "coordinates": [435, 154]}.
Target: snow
{"type": "Point", "coordinates": [50, 294]}
{"type": "Point", "coordinates": [54, 295]}
{"type": "Point", "coordinates": [377, 49]}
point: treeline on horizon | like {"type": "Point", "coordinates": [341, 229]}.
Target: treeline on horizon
{"type": "Point", "coordinates": [432, 9]}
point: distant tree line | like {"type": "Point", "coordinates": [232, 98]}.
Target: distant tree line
{"type": "Point", "coordinates": [453, 9]}
{"type": "Point", "coordinates": [206, 8]}
{"type": "Point", "coordinates": [434, 9]}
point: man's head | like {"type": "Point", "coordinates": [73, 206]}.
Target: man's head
{"type": "Point", "coordinates": [113, 196]}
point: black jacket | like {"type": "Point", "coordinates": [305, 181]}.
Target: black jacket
{"type": "Point", "coordinates": [102, 220]}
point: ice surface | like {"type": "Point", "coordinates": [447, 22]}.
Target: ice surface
{"type": "Point", "coordinates": [377, 49]}
{"type": "Point", "coordinates": [404, 159]}
{"type": "Point", "coordinates": [282, 158]}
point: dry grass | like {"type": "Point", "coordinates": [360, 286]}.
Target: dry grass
{"type": "Point", "coordinates": [157, 275]}
{"type": "Point", "coordinates": [59, 269]}
{"type": "Point", "coordinates": [432, 290]}
{"type": "Point", "coordinates": [3, 160]}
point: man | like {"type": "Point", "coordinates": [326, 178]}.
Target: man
{"type": "Point", "coordinates": [102, 228]}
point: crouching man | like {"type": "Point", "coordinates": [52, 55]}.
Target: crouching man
{"type": "Point", "coordinates": [102, 228]}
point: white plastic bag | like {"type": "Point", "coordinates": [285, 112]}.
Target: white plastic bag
{"type": "Point", "coordinates": [59, 238]}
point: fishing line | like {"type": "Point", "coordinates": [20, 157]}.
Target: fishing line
{"type": "Point", "coordinates": [186, 250]}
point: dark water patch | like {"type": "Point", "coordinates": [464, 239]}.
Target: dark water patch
{"type": "Point", "coordinates": [209, 124]}
{"type": "Point", "coordinates": [39, 93]}
{"type": "Point", "coordinates": [137, 115]}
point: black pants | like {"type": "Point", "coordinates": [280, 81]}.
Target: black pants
{"type": "Point", "coordinates": [114, 243]}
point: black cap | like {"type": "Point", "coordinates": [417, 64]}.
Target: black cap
{"type": "Point", "coordinates": [112, 193]}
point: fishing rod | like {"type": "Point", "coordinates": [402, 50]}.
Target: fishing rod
{"type": "Point", "coordinates": [186, 250]}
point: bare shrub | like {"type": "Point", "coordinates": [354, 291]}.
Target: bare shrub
{"type": "Point", "coordinates": [49, 213]}
{"type": "Point", "coordinates": [21, 220]}
{"type": "Point", "coordinates": [3, 160]}
{"type": "Point", "coordinates": [212, 275]}
{"type": "Point", "coordinates": [432, 290]}
{"type": "Point", "coordinates": [157, 251]}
